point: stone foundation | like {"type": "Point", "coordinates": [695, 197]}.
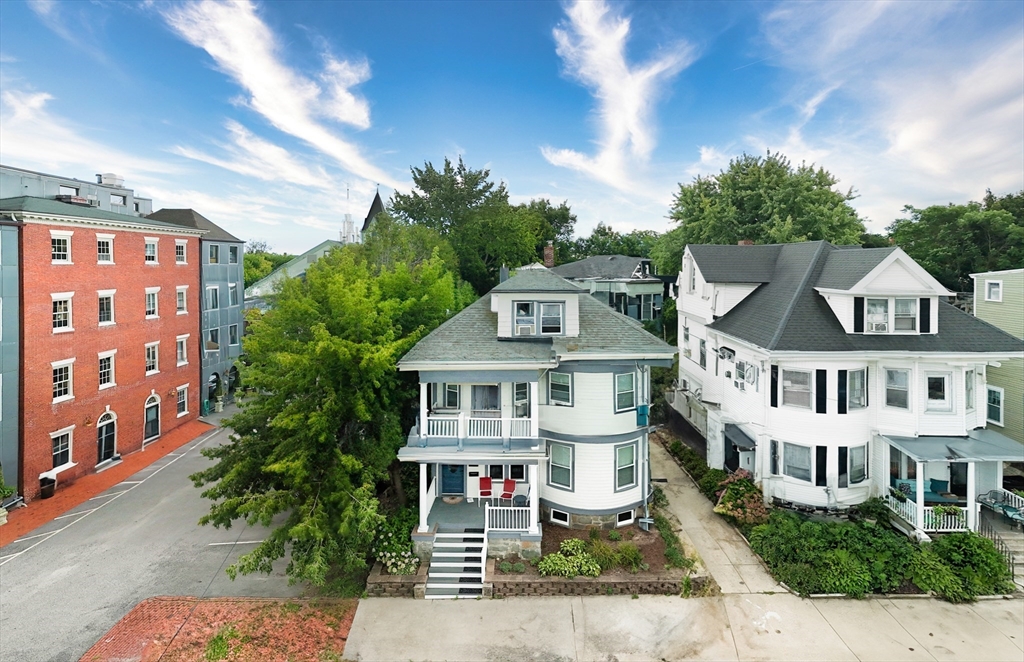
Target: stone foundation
{"type": "Point", "coordinates": [380, 585]}
{"type": "Point", "coordinates": [577, 521]}
{"type": "Point", "coordinates": [423, 544]}
{"type": "Point", "coordinates": [523, 545]}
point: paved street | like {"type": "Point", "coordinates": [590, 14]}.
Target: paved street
{"type": "Point", "coordinates": [66, 584]}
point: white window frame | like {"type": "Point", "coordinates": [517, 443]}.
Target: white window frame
{"type": "Point", "coordinates": [849, 464]}
{"type": "Point", "coordinates": [112, 355]}
{"type": "Point", "coordinates": [155, 243]}
{"type": "Point", "coordinates": [913, 318]}
{"type": "Point", "coordinates": [233, 249]}
{"type": "Point", "coordinates": [214, 248]}
{"type": "Point", "coordinates": [209, 301]}
{"type": "Point", "coordinates": [177, 400]}
{"type": "Point", "coordinates": [156, 358]}
{"type": "Point", "coordinates": [850, 406]}
{"type": "Point", "coordinates": [232, 294]}
{"type": "Point", "coordinates": [524, 321]}
{"type": "Point", "coordinates": [999, 287]}
{"type": "Point", "coordinates": [622, 487]}
{"type": "Point", "coordinates": [786, 453]}
{"type": "Point", "coordinates": [232, 342]}
{"type": "Point", "coordinates": [791, 390]}
{"type": "Point", "coordinates": [553, 401]}
{"type": "Point", "coordinates": [181, 349]}
{"type": "Point", "coordinates": [155, 291]}
{"type": "Point", "coordinates": [183, 243]}
{"type": "Point", "coordinates": [181, 295]}
{"type": "Point", "coordinates": [61, 234]}
{"type": "Point", "coordinates": [109, 238]}
{"type": "Point", "coordinates": [878, 318]}
{"type": "Point", "coordinates": [969, 389]}
{"type": "Point", "coordinates": [617, 392]}
{"type": "Point", "coordinates": [63, 296]}
{"type": "Point", "coordinates": [946, 404]}
{"type": "Point", "coordinates": [886, 387]}
{"type": "Point", "coordinates": [70, 365]}
{"type": "Point", "coordinates": [70, 432]}
{"type": "Point", "coordinates": [1002, 404]}
{"type": "Point", "coordinates": [561, 317]}
{"type": "Point", "coordinates": [646, 307]}
{"type": "Point", "coordinates": [702, 353]}
{"type": "Point", "coordinates": [571, 468]}
{"type": "Point", "coordinates": [102, 294]}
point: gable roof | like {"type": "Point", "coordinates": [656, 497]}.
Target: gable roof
{"type": "Point", "coordinates": [735, 264]}
{"type": "Point", "coordinates": [845, 268]}
{"type": "Point", "coordinates": [536, 279]}
{"type": "Point", "coordinates": [603, 266]}
{"type": "Point", "coordinates": [57, 208]}
{"type": "Point", "coordinates": [471, 335]}
{"type": "Point", "coordinates": [376, 207]}
{"type": "Point", "coordinates": [293, 268]}
{"type": "Point", "coordinates": [190, 218]}
{"type": "Point", "coordinates": [785, 313]}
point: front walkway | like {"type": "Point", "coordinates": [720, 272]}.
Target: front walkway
{"type": "Point", "coordinates": [724, 552]}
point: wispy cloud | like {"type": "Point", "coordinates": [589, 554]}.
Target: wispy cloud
{"type": "Point", "coordinates": [248, 154]}
{"type": "Point", "coordinates": [59, 17]}
{"type": "Point", "coordinates": [592, 44]}
{"type": "Point", "coordinates": [245, 48]}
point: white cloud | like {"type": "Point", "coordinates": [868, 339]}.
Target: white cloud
{"type": "Point", "coordinates": [245, 49]}
{"type": "Point", "coordinates": [59, 18]}
{"type": "Point", "coordinates": [592, 45]}
{"type": "Point", "coordinates": [712, 161]}
{"type": "Point", "coordinates": [7, 59]}
{"type": "Point", "coordinates": [253, 156]}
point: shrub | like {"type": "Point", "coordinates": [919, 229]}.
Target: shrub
{"type": "Point", "coordinates": [392, 544]}
{"type": "Point", "coordinates": [570, 561]}
{"type": "Point", "coordinates": [572, 546]}
{"type": "Point", "coordinates": [930, 573]}
{"type": "Point", "coordinates": [658, 498]}
{"type": "Point", "coordinates": [594, 533]}
{"type": "Point", "coordinates": [630, 557]}
{"type": "Point", "coordinates": [614, 535]}
{"type": "Point", "coordinates": [519, 568]}
{"type": "Point", "coordinates": [675, 558]}
{"type": "Point", "coordinates": [741, 501]}
{"type": "Point", "coordinates": [708, 485]}
{"type": "Point", "coordinates": [505, 567]}
{"type": "Point", "coordinates": [874, 508]}
{"type": "Point", "coordinates": [556, 564]}
{"type": "Point", "coordinates": [842, 572]}
{"type": "Point", "coordinates": [604, 554]}
{"type": "Point", "coordinates": [975, 561]}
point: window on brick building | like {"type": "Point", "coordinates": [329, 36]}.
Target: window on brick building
{"type": "Point", "coordinates": [61, 305]}
{"type": "Point", "coordinates": [179, 251]}
{"type": "Point", "coordinates": [182, 400]}
{"type": "Point", "coordinates": [106, 369]}
{"type": "Point", "coordinates": [181, 346]}
{"type": "Point", "coordinates": [105, 249]}
{"type": "Point", "coordinates": [106, 307]}
{"type": "Point", "coordinates": [61, 449]}
{"type": "Point", "coordinates": [152, 310]}
{"type": "Point", "coordinates": [63, 380]}
{"type": "Point", "coordinates": [151, 254]}
{"type": "Point", "coordinates": [182, 299]}
{"type": "Point", "coordinates": [60, 246]}
{"type": "Point", "coordinates": [152, 358]}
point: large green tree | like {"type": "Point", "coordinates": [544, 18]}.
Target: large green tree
{"type": "Point", "coordinates": [763, 199]}
{"type": "Point", "coordinates": [954, 241]}
{"type": "Point", "coordinates": [474, 215]}
{"type": "Point", "coordinates": [555, 224]}
{"type": "Point", "coordinates": [259, 261]}
{"type": "Point", "coordinates": [603, 240]}
{"type": "Point", "coordinates": [322, 420]}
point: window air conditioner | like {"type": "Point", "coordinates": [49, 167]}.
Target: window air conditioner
{"type": "Point", "coordinates": [684, 385]}
{"type": "Point", "coordinates": [878, 327]}
{"type": "Point", "coordinates": [742, 385]}
{"type": "Point", "coordinates": [526, 330]}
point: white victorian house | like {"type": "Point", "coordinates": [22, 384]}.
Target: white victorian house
{"type": "Point", "coordinates": [533, 411]}
{"type": "Point", "coordinates": [835, 374]}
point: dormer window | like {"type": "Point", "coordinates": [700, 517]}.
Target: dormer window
{"type": "Point", "coordinates": [878, 315]}
{"type": "Point", "coordinates": [551, 318]}
{"type": "Point", "coordinates": [892, 315]}
{"type": "Point", "coordinates": [906, 315]}
{"type": "Point", "coordinates": [526, 318]}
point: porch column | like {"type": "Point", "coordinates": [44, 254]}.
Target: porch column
{"type": "Point", "coordinates": [920, 495]}
{"type": "Point", "coordinates": [424, 510]}
{"type": "Point", "coordinates": [534, 409]}
{"type": "Point", "coordinates": [423, 410]}
{"type": "Point", "coordinates": [534, 498]}
{"type": "Point", "coordinates": [972, 507]}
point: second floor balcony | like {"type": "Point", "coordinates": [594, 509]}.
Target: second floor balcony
{"type": "Point", "coordinates": [454, 414]}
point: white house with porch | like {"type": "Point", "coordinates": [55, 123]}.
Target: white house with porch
{"type": "Point", "coordinates": [533, 412]}
{"type": "Point", "coordinates": [835, 374]}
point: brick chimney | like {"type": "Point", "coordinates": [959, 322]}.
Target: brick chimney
{"type": "Point", "coordinates": [549, 255]}
{"type": "Point", "coordinates": [745, 242]}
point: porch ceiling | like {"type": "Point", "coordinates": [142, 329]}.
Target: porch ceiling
{"type": "Point", "coordinates": [978, 446]}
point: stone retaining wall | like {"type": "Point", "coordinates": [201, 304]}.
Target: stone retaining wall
{"type": "Point", "coordinates": [511, 585]}
{"type": "Point", "coordinates": [380, 585]}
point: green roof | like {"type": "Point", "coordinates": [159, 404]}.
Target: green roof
{"type": "Point", "coordinates": [56, 208]}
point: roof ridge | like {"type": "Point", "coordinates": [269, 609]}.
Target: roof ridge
{"type": "Point", "coordinates": [797, 293]}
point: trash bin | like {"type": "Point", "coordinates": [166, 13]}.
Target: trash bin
{"type": "Point", "coordinates": [47, 486]}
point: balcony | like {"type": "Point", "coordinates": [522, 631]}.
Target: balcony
{"type": "Point", "coordinates": [464, 425]}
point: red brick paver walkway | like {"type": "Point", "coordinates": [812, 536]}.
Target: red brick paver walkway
{"type": "Point", "coordinates": [22, 521]}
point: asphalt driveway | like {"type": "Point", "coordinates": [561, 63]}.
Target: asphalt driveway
{"type": "Point", "coordinates": [65, 584]}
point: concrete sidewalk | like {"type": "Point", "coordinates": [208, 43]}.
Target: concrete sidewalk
{"type": "Point", "coordinates": [724, 552]}
{"type": "Point", "coordinates": [730, 627]}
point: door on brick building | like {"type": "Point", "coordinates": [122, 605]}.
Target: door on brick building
{"type": "Point", "coordinates": [152, 429]}
{"type": "Point", "coordinates": [106, 437]}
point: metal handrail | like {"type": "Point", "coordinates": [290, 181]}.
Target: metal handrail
{"type": "Point", "coordinates": [987, 530]}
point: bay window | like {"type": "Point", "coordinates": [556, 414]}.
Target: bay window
{"type": "Point", "coordinates": [796, 461]}
{"type": "Point", "coordinates": [796, 388]}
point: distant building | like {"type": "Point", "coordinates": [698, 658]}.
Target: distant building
{"type": "Point", "coordinates": [999, 300]}
{"type": "Point", "coordinates": [257, 293]}
{"type": "Point", "coordinates": [107, 192]}
{"type": "Point", "coordinates": [627, 284]}
{"type": "Point", "coordinates": [222, 282]}
{"type": "Point", "coordinates": [10, 333]}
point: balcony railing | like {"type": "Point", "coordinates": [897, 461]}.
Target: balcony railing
{"type": "Point", "coordinates": [932, 522]}
{"type": "Point", "coordinates": [504, 518]}
{"type": "Point", "coordinates": [465, 426]}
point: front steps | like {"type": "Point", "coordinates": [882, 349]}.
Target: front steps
{"type": "Point", "coordinates": [456, 566]}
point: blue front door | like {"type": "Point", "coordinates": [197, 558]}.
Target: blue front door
{"type": "Point", "coordinates": [453, 479]}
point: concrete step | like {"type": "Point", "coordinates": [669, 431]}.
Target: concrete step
{"type": "Point", "coordinates": [464, 594]}
{"type": "Point", "coordinates": [476, 537]}
{"type": "Point", "coordinates": [456, 564]}
{"type": "Point", "coordinates": [475, 546]}
{"type": "Point", "coordinates": [457, 555]}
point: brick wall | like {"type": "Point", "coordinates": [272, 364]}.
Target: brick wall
{"type": "Point", "coordinates": [129, 276]}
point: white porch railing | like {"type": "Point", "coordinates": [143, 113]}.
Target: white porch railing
{"type": "Point", "coordinates": [1015, 500]}
{"type": "Point", "coordinates": [905, 509]}
{"type": "Point", "coordinates": [504, 518]}
{"type": "Point", "coordinates": [485, 428]}
{"type": "Point", "coordinates": [520, 428]}
{"type": "Point", "coordinates": [461, 426]}
{"type": "Point", "coordinates": [442, 426]}
{"type": "Point", "coordinates": [945, 522]}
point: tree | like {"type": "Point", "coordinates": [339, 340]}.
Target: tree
{"type": "Point", "coordinates": [603, 240]}
{"type": "Point", "coordinates": [954, 241]}
{"type": "Point", "coordinates": [323, 419]}
{"type": "Point", "coordinates": [556, 225]}
{"type": "Point", "coordinates": [763, 199]}
{"type": "Point", "coordinates": [259, 261]}
{"type": "Point", "coordinates": [474, 215]}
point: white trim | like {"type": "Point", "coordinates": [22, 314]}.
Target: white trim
{"type": "Point", "coordinates": [1002, 405]}
{"type": "Point", "coordinates": [146, 358]}
{"type": "Point", "coordinates": [70, 432]}
{"type": "Point", "coordinates": [181, 242]}
{"type": "Point", "coordinates": [946, 404]}
{"type": "Point", "coordinates": [104, 237]}
{"type": "Point", "coordinates": [885, 388]}
{"type": "Point", "coordinates": [181, 289]}
{"type": "Point", "coordinates": [61, 234]}
{"type": "Point", "coordinates": [993, 273]}
{"type": "Point", "coordinates": [156, 299]}
{"type": "Point", "coordinates": [71, 379]}
{"type": "Point", "coordinates": [113, 313]}
{"type": "Point", "coordinates": [104, 293]}
{"type": "Point", "coordinates": [112, 354]}
{"type": "Point", "coordinates": [127, 224]}
{"type": "Point", "coordinates": [63, 296]}
{"type": "Point", "coordinates": [1000, 283]}
{"type": "Point", "coordinates": [156, 250]}
{"type": "Point", "coordinates": [179, 339]}
{"type": "Point", "coordinates": [932, 286]}
{"type": "Point", "coordinates": [177, 395]}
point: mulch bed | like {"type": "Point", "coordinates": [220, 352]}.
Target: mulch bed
{"type": "Point", "coordinates": [235, 629]}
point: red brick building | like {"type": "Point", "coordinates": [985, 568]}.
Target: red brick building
{"type": "Point", "coordinates": [110, 336]}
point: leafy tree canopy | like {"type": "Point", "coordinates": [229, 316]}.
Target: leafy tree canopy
{"type": "Point", "coordinates": [259, 261]}
{"type": "Point", "coordinates": [322, 422]}
{"type": "Point", "coordinates": [603, 240]}
{"type": "Point", "coordinates": [954, 241]}
{"type": "Point", "coordinates": [556, 225]}
{"type": "Point", "coordinates": [764, 199]}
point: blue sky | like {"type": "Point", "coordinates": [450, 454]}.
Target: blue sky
{"type": "Point", "coordinates": [262, 115]}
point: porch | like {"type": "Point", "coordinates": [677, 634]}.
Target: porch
{"type": "Point", "coordinates": [450, 496]}
{"type": "Point", "coordinates": [936, 484]}
{"type": "Point", "coordinates": [451, 413]}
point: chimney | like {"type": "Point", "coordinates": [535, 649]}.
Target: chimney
{"type": "Point", "coordinates": [549, 255]}
{"type": "Point", "coordinates": [503, 274]}
{"type": "Point", "coordinates": [745, 242]}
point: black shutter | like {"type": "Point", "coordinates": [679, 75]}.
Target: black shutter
{"type": "Point", "coordinates": [844, 476]}
{"type": "Point", "coordinates": [867, 386]}
{"type": "Point", "coordinates": [858, 314]}
{"type": "Point", "coordinates": [775, 386]}
{"type": "Point", "coordinates": [841, 391]}
{"type": "Point", "coordinates": [926, 315]}
{"type": "Point", "coordinates": [821, 466]}
{"type": "Point", "coordinates": [821, 390]}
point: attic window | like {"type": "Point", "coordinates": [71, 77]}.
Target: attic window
{"type": "Point", "coordinates": [906, 315]}
{"type": "Point", "coordinates": [878, 315]}
{"type": "Point", "coordinates": [551, 318]}
{"type": "Point", "coordinates": [526, 319]}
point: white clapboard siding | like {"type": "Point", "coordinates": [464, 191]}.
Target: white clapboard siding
{"type": "Point", "coordinates": [592, 411]}
{"type": "Point", "coordinates": [842, 308]}
{"type": "Point", "coordinates": [894, 278]}
{"type": "Point", "coordinates": [727, 296]}
{"type": "Point", "coordinates": [594, 481]}
{"type": "Point", "coordinates": [501, 304]}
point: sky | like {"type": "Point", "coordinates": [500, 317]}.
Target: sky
{"type": "Point", "coordinates": [274, 119]}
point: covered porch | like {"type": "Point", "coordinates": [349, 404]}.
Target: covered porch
{"type": "Point", "coordinates": [938, 484]}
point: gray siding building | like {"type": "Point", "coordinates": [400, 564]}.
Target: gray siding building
{"type": "Point", "coordinates": [107, 192]}
{"type": "Point", "coordinates": [222, 281]}
{"type": "Point", "coordinates": [10, 344]}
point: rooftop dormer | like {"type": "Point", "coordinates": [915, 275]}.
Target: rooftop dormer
{"type": "Point", "coordinates": [536, 303]}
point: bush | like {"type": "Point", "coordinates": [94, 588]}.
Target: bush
{"type": "Point", "coordinates": [874, 508]}
{"type": "Point", "coordinates": [630, 557]}
{"type": "Point", "coordinates": [604, 554]}
{"type": "Point", "coordinates": [975, 561]}
{"type": "Point", "coordinates": [708, 484]}
{"type": "Point", "coordinates": [572, 547]}
{"type": "Point", "coordinates": [614, 536]}
{"type": "Point", "coordinates": [556, 564]}
{"type": "Point", "coordinates": [392, 544]}
{"type": "Point", "coordinates": [505, 567]}
{"type": "Point", "coordinates": [572, 560]}
{"type": "Point", "coordinates": [519, 568]}
{"type": "Point", "coordinates": [930, 573]}
{"type": "Point", "coordinates": [741, 501]}
{"type": "Point", "coordinates": [658, 498]}
{"type": "Point", "coordinates": [594, 533]}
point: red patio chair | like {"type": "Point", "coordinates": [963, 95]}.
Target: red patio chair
{"type": "Point", "coordinates": [485, 488]}
{"type": "Point", "coordinates": [508, 490]}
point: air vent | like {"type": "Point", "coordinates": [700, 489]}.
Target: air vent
{"type": "Point", "coordinates": [526, 330]}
